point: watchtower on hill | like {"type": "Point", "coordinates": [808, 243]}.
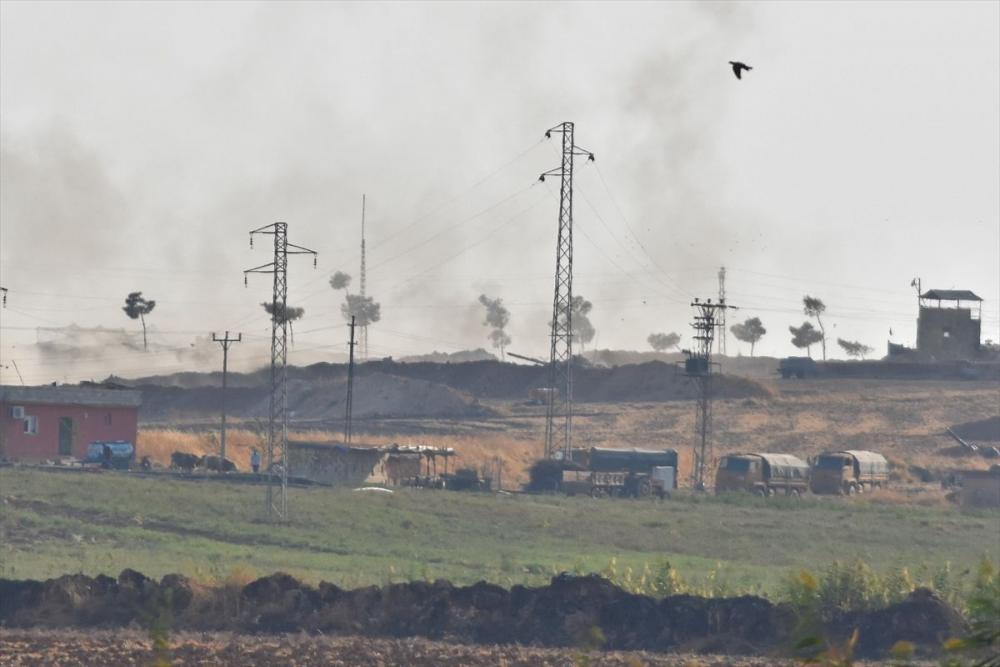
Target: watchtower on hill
{"type": "Point", "coordinates": [949, 324]}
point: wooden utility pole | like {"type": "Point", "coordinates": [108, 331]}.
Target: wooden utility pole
{"type": "Point", "coordinates": [350, 388]}
{"type": "Point", "coordinates": [226, 341]}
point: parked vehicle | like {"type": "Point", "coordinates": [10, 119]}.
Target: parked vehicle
{"type": "Point", "coordinates": [637, 473]}
{"type": "Point", "coordinates": [800, 367]}
{"type": "Point", "coordinates": [762, 474]}
{"type": "Point", "coordinates": [848, 472]}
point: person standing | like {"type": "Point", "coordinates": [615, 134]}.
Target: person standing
{"type": "Point", "coordinates": [255, 461]}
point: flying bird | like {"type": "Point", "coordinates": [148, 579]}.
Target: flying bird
{"type": "Point", "coordinates": [737, 67]}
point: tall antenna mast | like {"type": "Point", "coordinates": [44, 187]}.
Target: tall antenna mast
{"type": "Point", "coordinates": [722, 313]}
{"type": "Point", "coordinates": [363, 343]}
{"type": "Point", "coordinates": [559, 415]}
{"type": "Point", "coordinates": [277, 425]}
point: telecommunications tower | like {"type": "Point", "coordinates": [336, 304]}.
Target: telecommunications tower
{"type": "Point", "coordinates": [559, 415]}
{"type": "Point", "coordinates": [277, 424]}
{"type": "Point", "coordinates": [363, 338]}
{"type": "Point", "coordinates": [701, 368]}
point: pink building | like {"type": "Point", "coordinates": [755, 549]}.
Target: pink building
{"type": "Point", "coordinates": [49, 422]}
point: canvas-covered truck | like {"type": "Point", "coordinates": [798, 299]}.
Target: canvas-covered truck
{"type": "Point", "coordinates": [638, 473]}
{"type": "Point", "coordinates": [762, 474]}
{"type": "Point", "coordinates": [848, 472]}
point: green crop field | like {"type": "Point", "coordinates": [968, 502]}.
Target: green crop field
{"type": "Point", "coordinates": [56, 523]}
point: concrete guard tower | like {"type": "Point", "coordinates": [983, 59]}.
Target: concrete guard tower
{"type": "Point", "coordinates": [946, 331]}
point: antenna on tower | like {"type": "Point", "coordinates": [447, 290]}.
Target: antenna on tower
{"type": "Point", "coordinates": [363, 343]}
{"type": "Point", "coordinates": [559, 415]}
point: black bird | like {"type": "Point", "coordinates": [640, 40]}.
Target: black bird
{"type": "Point", "coordinates": [737, 66]}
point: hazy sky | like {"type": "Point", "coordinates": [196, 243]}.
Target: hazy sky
{"type": "Point", "coordinates": [142, 141]}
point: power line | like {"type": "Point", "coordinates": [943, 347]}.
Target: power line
{"type": "Point", "coordinates": [277, 441]}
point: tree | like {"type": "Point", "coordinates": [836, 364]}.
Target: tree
{"type": "Point", "coordinates": [583, 331]}
{"type": "Point", "coordinates": [805, 336]}
{"type": "Point", "coordinates": [855, 348]}
{"type": "Point", "coordinates": [663, 341]}
{"type": "Point", "coordinates": [814, 308]}
{"type": "Point", "coordinates": [340, 280]}
{"type": "Point", "coordinates": [290, 315]}
{"type": "Point", "coordinates": [364, 309]}
{"type": "Point", "coordinates": [497, 318]}
{"type": "Point", "coordinates": [137, 307]}
{"type": "Point", "coordinates": [749, 331]}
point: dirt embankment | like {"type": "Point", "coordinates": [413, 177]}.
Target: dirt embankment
{"type": "Point", "coordinates": [389, 389]}
{"type": "Point", "coordinates": [128, 648]}
{"type": "Point", "coordinates": [570, 612]}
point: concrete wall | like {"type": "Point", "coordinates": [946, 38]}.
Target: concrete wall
{"type": "Point", "coordinates": [947, 333]}
{"type": "Point", "coordinates": [89, 423]}
{"type": "Point", "coordinates": [338, 466]}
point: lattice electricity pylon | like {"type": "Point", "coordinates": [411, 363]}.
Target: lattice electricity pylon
{"type": "Point", "coordinates": [559, 415]}
{"type": "Point", "coordinates": [363, 342]}
{"type": "Point", "coordinates": [700, 367]}
{"type": "Point", "coordinates": [277, 425]}
{"type": "Point", "coordinates": [722, 313]}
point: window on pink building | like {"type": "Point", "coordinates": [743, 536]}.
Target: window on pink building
{"type": "Point", "coordinates": [31, 425]}
{"type": "Point", "coordinates": [107, 419]}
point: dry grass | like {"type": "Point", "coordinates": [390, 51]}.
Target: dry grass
{"type": "Point", "coordinates": [925, 497]}
{"type": "Point", "coordinates": [516, 455]}
{"type": "Point", "coordinates": [159, 444]}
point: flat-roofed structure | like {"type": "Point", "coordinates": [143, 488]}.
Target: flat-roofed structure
{"type": "Point", "coordinates": [949, 324]}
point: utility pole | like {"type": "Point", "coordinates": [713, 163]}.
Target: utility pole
{"type": "Point", "coordinates": [722, 313]}
{"type": "Point", "coordinates": [700, 367]}
{"type": "Point", "coordinates": [277, 431]}
{"type": "Point", "coordinates": [225, 341]}
{"type": "Point", "coordinates": [350, 388]}
{"type": "Point", "coordinates": [559, 415]}
{"type": "Point", "coordinates": [364, 283]}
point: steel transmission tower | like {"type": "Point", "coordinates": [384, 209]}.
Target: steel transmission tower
{"type": "Point", "coordinates": [363, 342]}
{"type": "Point", "coordinates": [699, 365]}
{"type": "Point", "coordinates": [277, 431]}
{"type": "Point", "coordinates": [559, 415]}
{"type": "Point", "coordinates": [722, 313]}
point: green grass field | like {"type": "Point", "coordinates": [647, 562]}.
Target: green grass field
{"type": "Point", "coordinates": [56, 523]}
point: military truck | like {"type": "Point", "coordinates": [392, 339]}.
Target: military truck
{"type": "Point", "coordinates": [637, 473]}
{"type": "Point", "coordinates": [800, 367]}
{"type": "Point", "coordinates": [762, 474]}
{"type": "Point", "coordinates": [848, 472]}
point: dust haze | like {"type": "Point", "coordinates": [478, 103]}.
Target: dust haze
{"type": "Point", "coordinates": [140, 144]}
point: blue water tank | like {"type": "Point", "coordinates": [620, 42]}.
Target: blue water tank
{"type": "Point", "coordinates": [122, 453]}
